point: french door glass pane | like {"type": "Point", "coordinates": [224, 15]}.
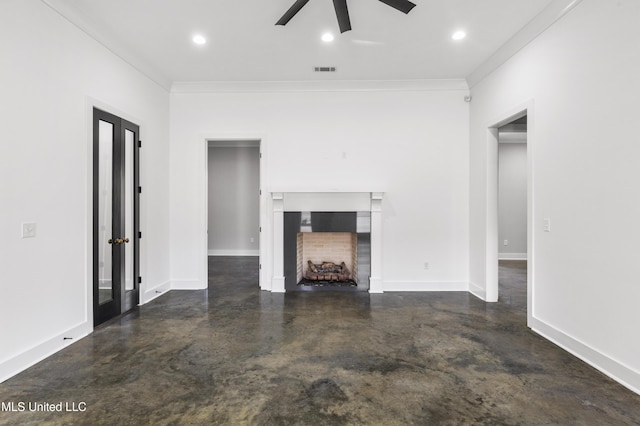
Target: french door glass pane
{"type": "Point", "coordinates": [105, 208]}
{"type": "Point", "coordinates": [129, 148]}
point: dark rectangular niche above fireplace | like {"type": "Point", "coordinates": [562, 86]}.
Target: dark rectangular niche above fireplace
{"type": "Point", "coordinates": [327, 251]}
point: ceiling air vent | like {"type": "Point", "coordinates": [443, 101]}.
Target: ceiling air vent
{"type": "Point", "coordinates": [324, 69]}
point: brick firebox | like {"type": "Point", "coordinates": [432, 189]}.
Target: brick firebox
{"type": "Point", "coordinates": [319, 247]}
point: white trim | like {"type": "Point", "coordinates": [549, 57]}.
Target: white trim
{"type": "Point", "coordinates": [188, 285]}
{"type": "Point", "coordinates": [552, 13]}
{"type": "Point", "coordinates": [332, 200]}
{"type": "Point", "coordinates": [376, 285]}
{"type": "Point", "coordinates": [318, 86]}
{"type": "Point", "coordinates": [491, 191]}
{"type": "Point", "coordinates": [234, 252]}
{"type": "Point", "coordinates": [477, 291]}
{"type": "Point", "coordinates": [512, 256]}
{"type": "Point", "coordinates": [491, 224]}
{"type": "Point", "coordinates": [119, 49]}
{"type": "Point", "coordinates": [617, 370]}
{"type": "Point", "coordinates": [277, 285]}
{"type": "Point", "coordinates": [227, 139]}
{"type": "Point", "coordinates": [154, 292]}
{"type": "Point", "coordinates": [30, 357]}
{"type": "Point", "coordinates": [236, 143]}
{"type": "Point", "coordinates": [512, 137]}
{"type": "Point", "coordinates": [425, 286]}
{"type": "Point", "coordinates": [491, 231]}
{"type": "Point", "coordinates": [277, 280]}
{"type": "Point", "coordinates": [326, 201]}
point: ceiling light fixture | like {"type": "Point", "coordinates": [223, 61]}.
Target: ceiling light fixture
{"type": "Point", "coordinates": [199, 39]}
{"type": "Point", "coordinates": [459, 35]}
{"type": "Point", "coordinates": [327, 37]}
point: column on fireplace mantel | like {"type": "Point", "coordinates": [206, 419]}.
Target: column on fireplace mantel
{"type": "Point", "coordinates": [277, 283]}
{"type": "Point", "coordinates": [375, 281]}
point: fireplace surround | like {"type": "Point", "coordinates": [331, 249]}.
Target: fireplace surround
{"type": "Point", "coordinates": [344, 212]}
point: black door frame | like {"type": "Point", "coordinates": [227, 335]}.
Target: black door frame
{"type": "Point", "coordinates": [122, 300]}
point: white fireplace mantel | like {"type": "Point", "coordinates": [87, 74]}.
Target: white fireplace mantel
{"type": "Point", "coordinates": [327, 201]}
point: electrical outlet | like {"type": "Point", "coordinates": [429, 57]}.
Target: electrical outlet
{"type": "Point", "coordinates": [426, 266]}
{"type": "Point", "coordinates": [252, 240]}
{"type": "Point", "coordinates": [547, 225]}
{"type": "Point", "coordinates": [506, 242]}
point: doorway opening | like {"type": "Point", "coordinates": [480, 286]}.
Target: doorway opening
{"type": "Point", "coordinates": [505, 236]}
{"type": "Point", "coordinates": [116, 216]}
{"type": "Point", "coordinates": [233, 199]}
{"type": "Point", "coordinates": [512, 213]}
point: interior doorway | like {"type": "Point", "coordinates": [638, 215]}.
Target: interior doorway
{"type": "Point", "coordinates": [116, 216]}
{"type": "Point", "coordinates": [512, 213]}
{"type": "Point", "coordinates": [233, 199]}
{"type": "Point", "coordinates": [509, 121]}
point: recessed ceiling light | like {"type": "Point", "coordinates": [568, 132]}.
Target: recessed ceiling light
{"type": "Point", "coordinates": [459, 35]}
{"type": "Point", "coordinates": [327, 37]}
{"type": "Point", "coordinates": [199, 39]}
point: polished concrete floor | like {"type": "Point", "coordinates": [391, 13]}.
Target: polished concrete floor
{"type": "Point", "coordinates": [233, 355]}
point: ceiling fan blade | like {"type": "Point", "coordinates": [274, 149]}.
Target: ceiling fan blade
{"type": "Point", "coordinates": [343, 15]}
{"type": "Point", "coordinates": [401, 5]}
{"type": "Point", "coordinates": [299, 4]}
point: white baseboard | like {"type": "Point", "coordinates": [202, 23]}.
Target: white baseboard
{"type": "Point", "coordinates": [425, 286]}
{"type": "Point", "coordinates": [154, 292]}
{"type": "Point", "coordinates": [619, 372]}
{"type": "Point", "coordinates": [188, 285]}
{"type": "Point", "coordinates": [478, 291]}
{"type": "Point", "coordinates": [26, 359]}
{"type": "Point", "coordinates": [512, 256]}
{"type": "Point", "coordinates": [375, 285]}
{"type": "Point", "coordinates": [234, 252]}
{"type": "Point", "coordinates": [277, 285]}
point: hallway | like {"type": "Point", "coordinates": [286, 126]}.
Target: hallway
{"type": "Point", "coordinates": [235, 355]}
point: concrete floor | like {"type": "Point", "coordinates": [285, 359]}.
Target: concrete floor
{"type": "Point", "coordinates": [233, 355]}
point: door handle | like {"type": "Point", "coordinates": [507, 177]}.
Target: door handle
{"type": "Point", "coordinates": [118, 241]}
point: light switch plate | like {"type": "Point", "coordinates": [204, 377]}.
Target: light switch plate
{"type": "Point", "coordinates": [28, 230]}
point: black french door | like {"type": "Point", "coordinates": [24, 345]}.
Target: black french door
{"type": "Point", "coordinates": [116, 211]}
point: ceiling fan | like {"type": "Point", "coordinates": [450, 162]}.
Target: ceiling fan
{"type": "Point", "coordinates": [342, 12]}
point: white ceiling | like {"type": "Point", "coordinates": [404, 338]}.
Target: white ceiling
{"type": "Point", "coordinates": [244, 44]}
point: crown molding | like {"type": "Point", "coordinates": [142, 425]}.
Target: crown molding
{"type": "Point", "coordinates": [552, 13]}
{"type": "Point", "coordinates": [109, 42]}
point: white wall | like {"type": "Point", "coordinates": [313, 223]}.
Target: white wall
{"type": "Point", "coordinates": [410, 144]}
{"type": "Point", "coordinates": [233, 204]}
{"type": "Point", "coordinates": [52, 73]}
{"type": "Point", "coordinates": [512, 200]}
{"type": "Point", "coordinates": [580, 78]}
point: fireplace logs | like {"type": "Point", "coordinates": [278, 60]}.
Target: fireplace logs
{"type": "Point", "coordinates": [327, 271]}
